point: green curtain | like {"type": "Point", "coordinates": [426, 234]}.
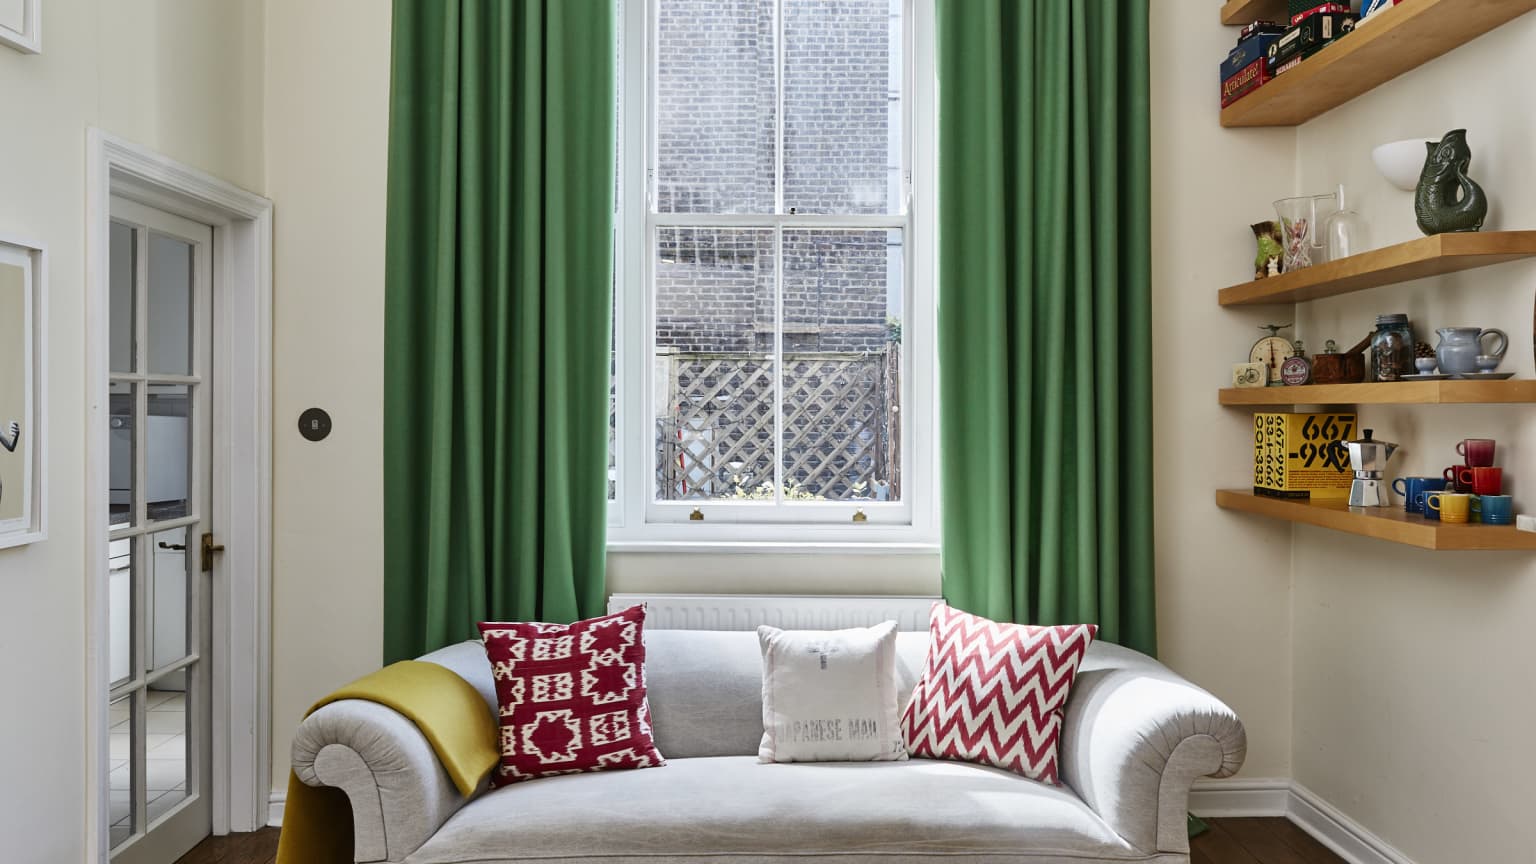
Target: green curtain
{"type": "Point", "coordinates": [1044, 312]}
{"type": "Point", "coordinates": [498, 280]}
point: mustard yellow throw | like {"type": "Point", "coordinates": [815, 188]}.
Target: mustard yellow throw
{"type": "Point", "coordinates": [317, 820]}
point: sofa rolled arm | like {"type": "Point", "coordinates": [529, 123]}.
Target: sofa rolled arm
{"type": "Point", "coordinates": [1135, 738]}
{"type": "Point", "coordinates": [399, 791]}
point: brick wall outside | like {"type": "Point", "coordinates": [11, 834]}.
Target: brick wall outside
{"type": "Point", "coordinates": [715, 154]}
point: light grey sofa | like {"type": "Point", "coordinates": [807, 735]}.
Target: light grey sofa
{"type": "Point", "coordinates": [1136, 737]}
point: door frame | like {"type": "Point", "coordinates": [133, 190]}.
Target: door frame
{"type": "Point", "coordinates": [242, 481]}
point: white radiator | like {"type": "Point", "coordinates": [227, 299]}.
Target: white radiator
{"type": "Point", "coordinates": [746, 612]}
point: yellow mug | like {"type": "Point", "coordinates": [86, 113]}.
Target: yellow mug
{"type": "Point", "coordinates": [1453, 507]}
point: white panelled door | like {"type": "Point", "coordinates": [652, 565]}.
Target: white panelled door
{"type": "Point", "coordinates": [161, 541]}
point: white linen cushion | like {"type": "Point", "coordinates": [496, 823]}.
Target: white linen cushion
{"type": "Point", "coordinates": [830, 695]}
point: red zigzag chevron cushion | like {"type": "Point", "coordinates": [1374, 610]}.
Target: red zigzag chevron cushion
{"type": "Point", "coordinates": [571, 696]}
{"type": "Point", "coordinates": [993, 693]}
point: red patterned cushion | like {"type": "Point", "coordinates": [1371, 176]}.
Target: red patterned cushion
{"type": "Point", "coordinates": [993, 693]}
{"type": "Point", "coordinates": [571, 696]}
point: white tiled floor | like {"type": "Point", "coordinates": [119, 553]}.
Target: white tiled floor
{"type": "Point", "coordinates": [165, 767]}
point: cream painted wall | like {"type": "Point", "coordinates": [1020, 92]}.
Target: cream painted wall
{"type": "Point", "coordinates": [1223, 588]}
{"type": "Point", "coordinates": [182, 77]}
{"type": "Point", "coordinates": [327, 103]}
{"type": "Point", "coordinates": [1414, 689]}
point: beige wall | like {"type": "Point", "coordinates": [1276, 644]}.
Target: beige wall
{"type": "Point", "coordinates": [1414, 689]}
{"type": "Point", "coordinates": [1223, 580]}
{"type": "Point", "coordinates": [327, 108]}
{"type": "Point", "coordinates": [180, 76]}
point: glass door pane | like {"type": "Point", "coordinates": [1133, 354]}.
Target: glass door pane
{"type": "Point", "coordinates": [120, 735]}
{"type": "Point", "coordinates": [168, 451]}
{"type": "Point", "coordinates": [170, 306]}
{"type": "Point", "coordinates": [123, 462]}
{"type": "Point", "coordinates": [121, 277]}
{"type": "Point", "coordinates": [172, 553]}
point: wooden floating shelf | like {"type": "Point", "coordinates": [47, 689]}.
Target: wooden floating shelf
{"type": "Point", "coordinates": [1241, 13]}
{"type": "Point", "coordinates": [1404, 262]}
{"type": "Point", "coordinates": [1402, 38]}
{"type": "Point", "coordinates": [1451, 392]}
{"type": "Point", "coordinates": [1392, 524]}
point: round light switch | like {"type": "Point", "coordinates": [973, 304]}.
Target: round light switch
{"type": "Point", "coordinates": [315, 424]}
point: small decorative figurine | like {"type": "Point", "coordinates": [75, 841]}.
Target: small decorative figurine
{"type": "Point", "coordinates": [1447, 200]}
{"type": "Point", "coordinates": [1267, 262]}
{"type": "Point", "coordinates": [1296, 369]}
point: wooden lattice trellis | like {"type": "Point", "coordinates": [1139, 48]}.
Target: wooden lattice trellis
{"type": "Point", "coordinates": [841, 427]}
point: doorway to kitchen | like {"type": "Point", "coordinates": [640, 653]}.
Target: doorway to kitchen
{"type": "Point", "coordinates": [178, 500]}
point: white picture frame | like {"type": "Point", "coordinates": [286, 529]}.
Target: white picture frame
{"type": "Point", "coordinates": [22, 361]}
{"type": "Point", "coordinates": [26, 35]}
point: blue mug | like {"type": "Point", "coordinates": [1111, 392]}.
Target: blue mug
{"type": "Point", "coordinates": [1498, 510]}
{"type": "Point", "coordinates": [1413, 488]}
{"type": "Point", "coordinates": [1432, 513]}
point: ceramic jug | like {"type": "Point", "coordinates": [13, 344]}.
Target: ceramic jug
{"type": "Point", "coordinates": [1459, 347]}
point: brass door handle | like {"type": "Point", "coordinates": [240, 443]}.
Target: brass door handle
{"type": "Point", "coordinates": [209, 547]}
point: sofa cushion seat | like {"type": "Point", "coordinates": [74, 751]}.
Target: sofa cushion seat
{"type": "Point", "coordinates": [732, 808]}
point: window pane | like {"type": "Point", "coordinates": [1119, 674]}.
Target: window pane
{"type": "Point", "coordinates": [714, 403]}
{"type": "Point", "coordinates": [842, 364]}
{"type": "Point", "coordinates": [170, 306]}
{"type": "Point", "coordinates": [842, 106]}
{"type": "Point", "coordinates": [715, 106]}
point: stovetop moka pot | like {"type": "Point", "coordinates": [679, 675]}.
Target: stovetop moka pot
{"type": "Point", "coordinates": [1368, 457]}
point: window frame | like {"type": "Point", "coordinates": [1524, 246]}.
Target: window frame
{"type": "Point", "coordinates": [636, 520]}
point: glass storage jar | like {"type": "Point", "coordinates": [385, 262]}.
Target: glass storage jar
{"type": "Point", "coordinates": [1392, 348]}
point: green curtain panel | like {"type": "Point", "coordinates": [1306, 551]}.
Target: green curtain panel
{"type": "Point", "coordinates": [499, 273]}
{"type": "Point", "coordinates": [1044, 312]}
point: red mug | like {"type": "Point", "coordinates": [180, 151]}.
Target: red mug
{"type": "Point", "coordinates": [1488, 481]}
{"type": "Point", "coordinates": [1460, 477]}
{"type": "Point", "coordinates": [1476, 452]}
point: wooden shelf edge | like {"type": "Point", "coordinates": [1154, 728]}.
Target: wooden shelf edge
{"type": "Point", "coordinates": [1240, 13]}
{"type": "Point", "coordinates": [1404, 38]}
{"type": "Point", "coordinates": [1435, 255]}
{"type": "Point", "coordinates": [1391, 524]}
{"type": "Point", "coordinates": [1397, 393]}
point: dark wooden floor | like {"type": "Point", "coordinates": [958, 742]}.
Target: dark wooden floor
{"type": "Point", "coordinates": [1230, 841]}
{"type": "Point", "coordinates": [1258, 841]}
{"type": "Point", "coordinates": [257, 848]}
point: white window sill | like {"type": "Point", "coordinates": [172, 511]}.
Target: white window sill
{"type": "Point", "coordinates": [770, 547]}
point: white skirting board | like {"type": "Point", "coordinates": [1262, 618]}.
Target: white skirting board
{"type": "Point", "coordinates": [275, 803]}
{"type": "Point", "coordinates": [1280, 797]}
